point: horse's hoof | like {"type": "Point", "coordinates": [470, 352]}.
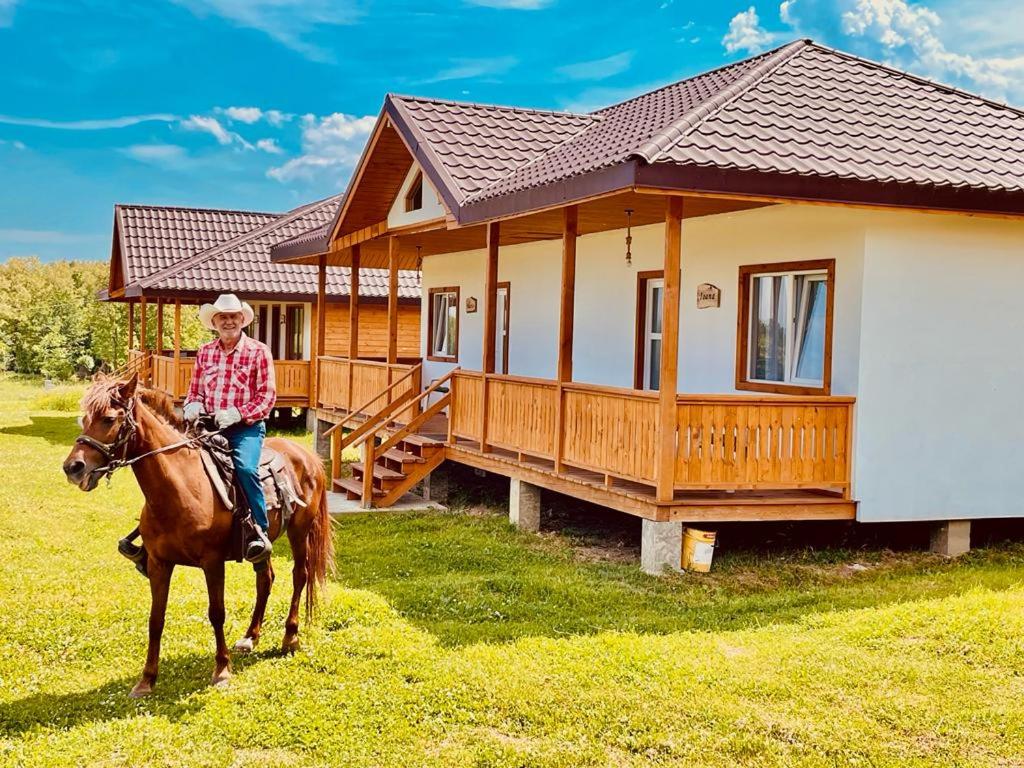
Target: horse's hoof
{"type": "Point", "coordinates": [141, 690]}
{"type": "Point", "coordinates": [246, 645]}
{"type": "Point", "coordinates": [290, 645]}
{"type": "Point", "coordinates": [221, 680]}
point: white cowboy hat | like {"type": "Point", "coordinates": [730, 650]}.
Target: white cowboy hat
{"type": "Point", "coordinates": [226, 302]}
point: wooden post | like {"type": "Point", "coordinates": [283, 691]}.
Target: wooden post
{"type": "Point", "coordinates": [143, 344]}
{"type": "Point", "coordinates": [321, 331]}
{"type": "Point", "coordinates": [491, 296]}
{"type": "Point", "coordinates": [393, 252]}
{"type": "Point", "coordinates": [177, 348]}
{"type": "Point", "coordinates": [159, 346]}
{"type": "Point", "coordinates": [131, 327]}
{"type": "Point", "coordinates": [669, 370]}
{"type": "Point", "coordinates": [353, 321]}
{"type": "Point", "coordinates": [570, 230]}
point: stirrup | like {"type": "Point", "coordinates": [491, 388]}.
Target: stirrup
{"type": "Point", "coordinates": [135, 553]}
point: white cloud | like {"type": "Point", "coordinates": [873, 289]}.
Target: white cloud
{"type": "Point", "coordinates": [212, 126]}
{"type": "Point", "coordinates": [517, 5]}
{"type": "Point", "coordinates": [87, 125]}
{"type": "Point", "coordinates": [465, 69]}
{"type": "Point", "coordinates": [250, 115]}
{"type": "Point", "coordinates": [746, 33]}
{"type": "Point", "coordinates": [331, 146]}
{"type": "Point", "coordinates": [163, 155]}
{"type": "Point", "coordinates": [785, 11]}
{"type": "Point", "coordinates": [289, 22]}
{"type": "Point", "coordinates": [269, 145]}
{"type": "Point", "coordinates": [7, 12]}
{"type": "Point", "coordinates": [598, 69]}
{"type": "Point", "coordinates": [14, 143]}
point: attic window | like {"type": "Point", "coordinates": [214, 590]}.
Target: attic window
{"type": "Point", "coordinates": [414, 197]}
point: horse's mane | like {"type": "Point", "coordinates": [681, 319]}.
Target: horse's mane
{"type": "Point", "coordinates": [102, 393]}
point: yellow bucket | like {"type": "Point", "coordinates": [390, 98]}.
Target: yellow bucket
{"type": "Point", "coordinates": [698, 549]}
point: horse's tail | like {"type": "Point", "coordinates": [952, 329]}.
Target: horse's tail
{"type": "Point", "coordinates": [319, 550]}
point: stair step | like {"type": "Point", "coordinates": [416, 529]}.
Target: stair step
{"type": "Point", "coordinates": [402, 457]}
{"type": "Point", "coordinates": [420, 440]}
{"type": "Point", "coordinates": [354, 488]}
{"type": "Point", "coordinates": [379, 472]}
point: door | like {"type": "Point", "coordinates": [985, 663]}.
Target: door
{"type": "Point", "coordinates": [293, 332]}
{"type": "Point", "coordinates": [501, 329]}
{"type": "Point", "coordinates": [650, 296]}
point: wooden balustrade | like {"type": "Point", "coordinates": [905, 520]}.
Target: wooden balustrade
{"type": "Point", "coordinates": [346, 384]}
{"type": "Point", "coordinates": [723, 442]}
{"type": "Point", "coordinates": [291, 376]}
{"type": "Point", "coordinates": [758, 442]}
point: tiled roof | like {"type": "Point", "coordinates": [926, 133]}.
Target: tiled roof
{"type": "Point", "coordinates": [243, 263]}
{"type": "Point", "coordinates": [802, 109]}
{"type": "Point", "coordinates": [826, 113]}
{"type": "Point", "coordinates": [476, 145]}
{"type": "Point", "coordinates": [154, 237]}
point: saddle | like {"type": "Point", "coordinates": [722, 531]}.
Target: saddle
{"type": "Point", "coordinates": [277, 480]}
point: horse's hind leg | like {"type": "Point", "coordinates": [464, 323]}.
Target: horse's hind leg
{"type": "Point", "coordinates": [299, 576]}
{"type": "Point", "coordinates": [159, 587]}
{"type": "Point", "coordinates": [264, 581]}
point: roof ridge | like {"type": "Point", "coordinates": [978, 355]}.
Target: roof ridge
{"type": "Point", "coordinates": [917, 78]}
{"type": "Point", "coordinates": [121, 206]}
{"type": "Point", "coordinates": [670, 134]}
{"type": "Point", "coordinates": [220, 248]}
{"type": "Point", "coordinates": [531, 110]}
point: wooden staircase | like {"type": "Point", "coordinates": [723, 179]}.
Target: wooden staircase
{"type": "Point", "coordinates": [397, 455]}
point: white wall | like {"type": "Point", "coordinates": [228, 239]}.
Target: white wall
{"type": "Point", "coordinates": [940, 425]}
{"type": "Point", "coordinates": [432, 206]}
{"type": "Point", "coordinates": [713, 249]}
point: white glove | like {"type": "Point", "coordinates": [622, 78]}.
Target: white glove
{"type": "Point", "coordinates": [227, 417]}
{"type": "Point", "coordinates": [192, 411]}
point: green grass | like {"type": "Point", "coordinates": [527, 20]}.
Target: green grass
{"type": "Point", "coordinates": [451, 640]}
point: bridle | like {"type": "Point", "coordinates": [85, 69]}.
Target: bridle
{"type": "Point", "coordinates": [128, 429]}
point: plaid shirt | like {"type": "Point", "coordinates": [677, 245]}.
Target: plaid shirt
{"type": "Point", "coordinates": [243, 378]}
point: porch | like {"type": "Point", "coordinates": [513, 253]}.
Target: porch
{"type": "Point", "coordinates": [733, 457]}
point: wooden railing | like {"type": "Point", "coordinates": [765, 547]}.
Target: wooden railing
{"type": "Point", "coordinates": [138, 362]}
{"type": "Point", "coordinates": [291, 377]}
{"type": "Point", "coordinates": [722, 441]}
{"type": "Point", "coordinates": [735, 441]}
{"type": "Point", "coordinates": [363, 385]}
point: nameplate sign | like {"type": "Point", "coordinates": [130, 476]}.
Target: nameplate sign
{"type": "Point", "coordinates": [708, 295]}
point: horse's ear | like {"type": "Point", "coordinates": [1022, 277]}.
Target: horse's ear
{"type": "Point", "coordinates": [127, 389]}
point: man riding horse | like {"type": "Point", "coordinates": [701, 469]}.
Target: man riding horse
{"type": "Point", "coordinates": [233, 379]}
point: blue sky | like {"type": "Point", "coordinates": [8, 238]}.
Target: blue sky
{"type": "Point", "coordinates": [265, 104]}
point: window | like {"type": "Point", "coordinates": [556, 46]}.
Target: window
{"type": "Point", "coordinates": [414, 197]}
{"type": "Point", "coordinates": [294, 332]}
{"type": "Point", "coordinates": [785, 327]}
{"type": "Point", "coordinates": [647, 356]}
{"type": "Point", "coordinates": [443, 329]}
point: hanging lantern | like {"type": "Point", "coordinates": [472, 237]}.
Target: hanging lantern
{"type": "Point", "coordinates": [629, 238]}
{"type": "Point", "coordinates": [419, 258]}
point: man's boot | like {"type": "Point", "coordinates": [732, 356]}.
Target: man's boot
{"type": "Point", "coordinates": [259, 547]}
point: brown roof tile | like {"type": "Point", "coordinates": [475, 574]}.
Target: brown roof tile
{"type": "Point", "coordinates": [243, 263]}
{"type": "Point", "coordinates": [153, 237]}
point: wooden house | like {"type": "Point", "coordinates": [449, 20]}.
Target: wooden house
{"type": "Point", "coordinates": [173, 257]}
{"type": "Point", "coordinates": [785, 289]}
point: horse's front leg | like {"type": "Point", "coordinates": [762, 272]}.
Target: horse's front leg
{"type": "Point", "coordinates": [264, 581]}
{"type": "Point", "coordinates": [159, 586]}
{"type": "Point", "coordinates": [215, 587]}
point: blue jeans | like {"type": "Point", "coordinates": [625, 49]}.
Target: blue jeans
{"type": "Point", "coordinates": [246, 443]}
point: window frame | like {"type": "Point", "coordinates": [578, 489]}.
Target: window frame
{"type": "Point", "coordinates": [416, 188]}
{"type": "Point", "coordinates": [430, 323]}
{"type": "Point", "coordinates": [643, 280]}
{"type": "Point", "coordinates": [746, 275]}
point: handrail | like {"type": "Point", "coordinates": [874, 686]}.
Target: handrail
{"type": "Point", "coordinates": [373, 399]}
{"type": "Point", "coordinates": [425, 393]}
{"type": "Point", "coordinates": [415, 424]}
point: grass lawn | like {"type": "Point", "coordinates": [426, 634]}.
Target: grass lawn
{"type": "Point", "coordinates": [453, 640]}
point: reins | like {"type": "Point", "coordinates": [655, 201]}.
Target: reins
{"type": "Point", "coordinates": [124, 435]}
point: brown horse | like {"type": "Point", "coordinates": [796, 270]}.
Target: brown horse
{"type": "Point", "coordinates": [184, 522]}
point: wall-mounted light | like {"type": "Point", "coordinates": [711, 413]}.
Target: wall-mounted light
{"type": "Point", "coordinates": [629, 238]}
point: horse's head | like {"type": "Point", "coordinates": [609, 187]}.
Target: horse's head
{"type": "Point", "coordinates": [107, 425]}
